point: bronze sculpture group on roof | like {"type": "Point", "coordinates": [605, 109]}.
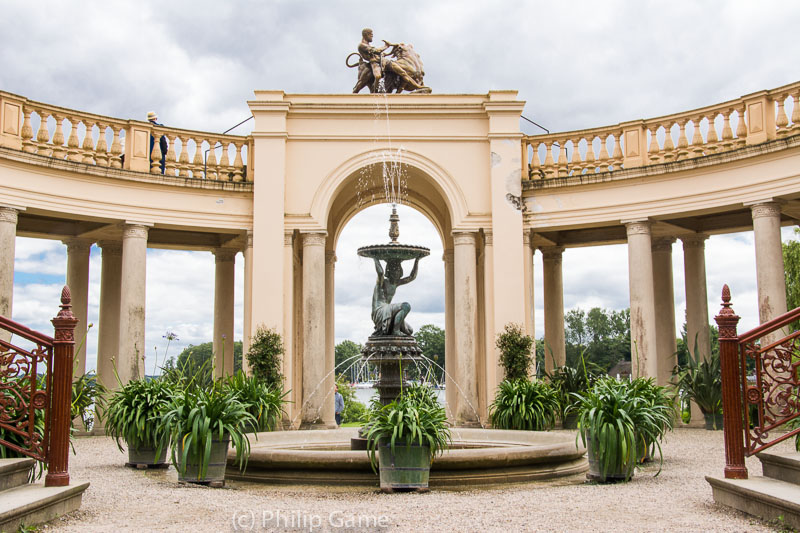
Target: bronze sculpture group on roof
{"type": "Point", "coordinates": [394, 67]}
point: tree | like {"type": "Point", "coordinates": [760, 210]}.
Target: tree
{"type": "Point", "coordinates": [791, 265]}
{"type": "Point", "coordinates": [603, 336]}
{"type": "Point", "coordinates": [198, 359]}
{"type": "Point", "coordinates": [346, 352]}
{"type": "Point", "coordinates": [265, 354]}
{"type": "Point", "coordinates": [431, 340]}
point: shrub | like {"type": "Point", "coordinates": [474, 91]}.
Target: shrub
{"type": "Point", "coordinates": [262, 400]}
{"type": "Point", "coordinates": [134, 411]}
{"type": "Point", "coordinates": [515, 352]}
{"type": "Point", "coordinates": [524, 404]}
{"type": "Point", "coordinates": [264, 355]}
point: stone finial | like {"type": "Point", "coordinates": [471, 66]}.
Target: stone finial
{"type": "Point", "coordinates": [394, 226]}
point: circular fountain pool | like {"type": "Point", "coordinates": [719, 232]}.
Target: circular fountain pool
{"type": "Point", "coordinates": [478, 457]}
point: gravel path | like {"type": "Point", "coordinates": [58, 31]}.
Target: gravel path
{"type": "Point", "coordinates": [679, 499]}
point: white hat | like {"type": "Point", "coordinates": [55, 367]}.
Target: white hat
{"type": "Point", "coordinates": [151, 115]}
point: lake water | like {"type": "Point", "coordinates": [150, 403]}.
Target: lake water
{"type": "Point", "coordinates": [364, 395]}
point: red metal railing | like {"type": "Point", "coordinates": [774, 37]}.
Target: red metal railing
{"type": "Point", "coordinates": [37, 383]}
{"type": "Point", "coordinates": [773, 391]}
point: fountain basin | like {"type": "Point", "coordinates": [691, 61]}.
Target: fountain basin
{"type": "Point", "coordinates": [478, 457]}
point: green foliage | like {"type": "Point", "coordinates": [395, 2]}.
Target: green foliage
{"type": "Point", "coordinates": [515, 352]}
{"type": "Point", "coordinates": [196, 415]}
{"type": "Point", "coordinates": [346, 352]}
{"type": "Point", "coordinates": [134, 411]}
{"type": "Point", "coordinates": [616, 418]}
{"type": "Point", "coordinates": [415, 417]}
{"type": "Point", "coordinates": [261, 399]}
{"type": "Point", "coordinates": [683, 344]}
{"type": "Point", "coordinates": [265, 354]}
{"type": "Point", "coordinates": [354, 411]}
{"type": "Point", "coordinates": [431, 340]}
{"type": "Point", "coordinates": [526, 405]}
{"type": "Point", "coordinates": [701, 382]}
{"type": "Point", "coordinates": [567, 380]}
{"type": "Point", "coordinates": [791, 265]}
{"type": "Point", "coordinates": [88, 400]}
{"type": "Point", "coordinates": [602, 336]}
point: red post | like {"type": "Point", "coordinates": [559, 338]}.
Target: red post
{"type": "Point", "coordinates": [733, 427]}
{"type": "Point", "coordinates": [61, 399]}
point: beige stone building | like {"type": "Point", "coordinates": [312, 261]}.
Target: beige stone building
{"type": "Point", "coordinates": [283, 194]}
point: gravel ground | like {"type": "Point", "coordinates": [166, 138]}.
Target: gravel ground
{"type": "Point", "coordinates": [679, 499]}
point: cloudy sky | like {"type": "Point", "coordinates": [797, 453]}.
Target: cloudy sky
{"type": "Point", "coordinates": [576, 64]}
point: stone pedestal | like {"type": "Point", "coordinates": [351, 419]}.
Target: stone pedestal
{"type": "Point", "coordinates": [392, 354]}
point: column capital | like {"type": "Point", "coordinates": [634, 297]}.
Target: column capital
{"type": "Point", "coordinates": [695, 240]}
{"type": "Point", "coordinates": [77, 245]}
{"type": "Point", "coordinates": [662, 244]}
{"type": "Point", "coordinates": [637, 227]}
{"type": "Point", "coordinates": [330, 257]}
{"type": "Point", "coordinates": [110, 248]}
{"type": "Point", "coordinates": [288, 237]}
{"type": "Point", "coordinates": [9, 214]}
{"type": "Point", "coordinates": [315, 238]}
{"type": "Point", "coordinates": [462, 238]}
{"type": "Point", "coordinates": [248, 239]}
{"type": "Point", "coordinates": [224, 255]}
{"type": "Point", "coordinates": [135, 231]}
{"type": "Point", "coordinates": [766, 209]}
{"type": "Point", "coordinates": [488, 237]}
{"type": "Point", "coordinates": [552, 253]}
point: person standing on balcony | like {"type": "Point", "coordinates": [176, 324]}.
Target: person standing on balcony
{"type": "Point", "coordinates": [152, 117]}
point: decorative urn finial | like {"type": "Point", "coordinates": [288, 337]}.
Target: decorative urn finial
{"type": "Point", "coordinates": [394, 227]}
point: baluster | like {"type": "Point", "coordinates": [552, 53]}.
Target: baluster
{"type": "Point", "coordinates": [171, 164]}
{"type": "Point", "coordinates": [536, 165]}
{"type": "Point", "coordinates": [603, 157]}
{"type": "Point", "coordinates": [712, 141]}
{"type": "Point", "coordinates": [669, 148]}
{"type": "Point", "coordinates": [211, 160]}
{"type": "Point", "coordinates": [697, 137]}
{"type": "Point", "coordinates": [43, 136]}
{"type": "Point", "coordinates": [616, 156]}
{"type": "Point", "coordinates": [101, 150]}
{"type": "Point", "coordinates": [683, 142]}
{"type": "Point", "coordinates": [741, 128]}
{"type": "Point", "coordinates": [225, 168]}
{"type": "Point", "coordinates": [576, 162]}
{"type": "Point", "coordinates": [653, 150]}
{"type": "Point", "coordinates": [549, 164]}
{"type": "Point", "coordinates": [73, 143]}
{"type": "Point", "coordinates": [563, 168]}
{"type": "Point", "coordinates": [88, 143]}
{"type": "Point", "coordinates": [183, 158]}
{"type": "Point", "coordinates": [155, 153]}
{"type": "Point", "coordinates": [27, 132]}
{"type": "Point", "coordinates": [116, 147]}
{"type": "Point", "coordinates": [590, 159]}
{"type": "Point", "coordinates": [781, 120]}
{"type": "Point", "coordinates": [727, 133]}
{"type": "Point", "coordinates": [197, 163]}
{"type": "Point", "coordinates": [796, 113]}
{"type": "Point", "coordinates": [238, 165]}
{"type": "Point", "coordinates": [58, 139]}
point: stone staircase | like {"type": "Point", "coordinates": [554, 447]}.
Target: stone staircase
{"type": "Point", "coordinates": [773, 496]}
{"type": "Point", "coordinates": [27, 503]}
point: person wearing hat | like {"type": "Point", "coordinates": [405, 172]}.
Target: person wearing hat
{"type": "Point", "coordinates": [152, 117]}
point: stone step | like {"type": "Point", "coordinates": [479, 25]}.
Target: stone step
{"type": "Point", "coordinates": [765, 497]}
{"type": "Point", "coordinates": [34, 504]}
{"type": "Point", "coordinates": [14, 472]}
{"type": "Point", "coordinates": [783, 466]}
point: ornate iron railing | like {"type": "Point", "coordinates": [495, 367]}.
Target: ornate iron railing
{"type": "Point", "coordinates": [35, 391]}
{"type": "Point", "coordinates": [772, 391]}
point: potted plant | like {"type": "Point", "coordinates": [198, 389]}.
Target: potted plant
{"type": "Point", "coordinates": [567, 380]}
{"type": "Point", "coordinates": [613, 416]}
{"type": "Point", "coordinates": [133, 415]}
{"type": "Point", "coordinates": [261, 399]}
{"type": "Point", "coordinates": [201, 423]}
{"type": "Point", "coordinates": [525, 405]}
{"type": "Point", "coordinates": [404, 436]}
{"type": "Point", "coordinates": [655, 397]}
{"type": "Point", "coordinates": [701, 382]}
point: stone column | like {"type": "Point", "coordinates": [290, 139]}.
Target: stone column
{"type": "Point", "coordinates": [330, 341]}
{"type": "Point", "coordinates": [466, 327]}
{"type": "Point", "coordinates": [555, 351]}
{"type": "Point", "coordinates": [769, 263]}
{"type": "Point", "coordinates": [698, 334]}
{"type": "Point", "coordinates": [247, 326]}
{"type": "Point", "coordinates": [224, 285]}
{"type": "Point", "coordinates": [451, 394]}
{"type": "Point", "coordinates": [313, 330]}
{"type": "Point", "coordinates": [663, 292]}
{"type": "Point", "coordinates": [131, 350]}
{"type": "Point", "coordinates": [78, 251]}
{"type": "Point", "coordinates": [530, 309]}
{"type": "Point", "coordinates": [644, 361]}
{"type": "Point", "coordinates": [287, 368]}
{"type": "Point", "coordinates": [108, 327]}
{"type": "Point", "coordinates": [494, 370]}
{"type": "Point", "coordinates": [8, 237]}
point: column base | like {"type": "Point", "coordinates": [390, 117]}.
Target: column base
{"type": "Point", "coordinates": [318, 424]}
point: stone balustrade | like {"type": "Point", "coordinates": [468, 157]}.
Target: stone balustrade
{"type": "Point", "coordinates": [61, 133]}
{"type": "Point", "coordinates": [751, 119]}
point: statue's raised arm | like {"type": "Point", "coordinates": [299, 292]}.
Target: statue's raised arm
{"type": "Point", "coordinates": [378, 268]}
{"type": "Point", "coordinates": [412, 276]}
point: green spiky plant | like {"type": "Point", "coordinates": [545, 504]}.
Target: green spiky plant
{"type": "Point", "coordinates": [134, 410]}
{"type": "Point", "coordinates": [525, 405]}
{"type": "Point", "coordinates": [701, 382]}
{"type": "Point", "coordinates": [656, 397]}
{"type": "Point", "coordinates": [262, 400]}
